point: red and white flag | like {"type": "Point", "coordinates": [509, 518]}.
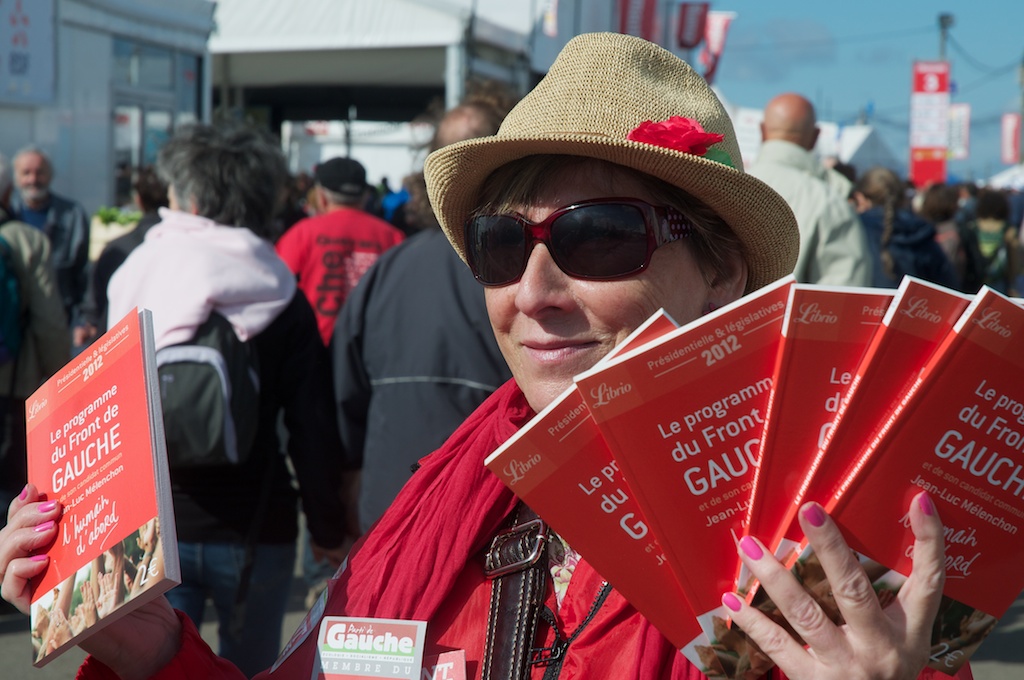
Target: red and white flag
{"type": "Point", "coordinates": [929, 122]}
{"type": "Point", "coordinates": [714, 41]}
{"type": "Point", "coordinates": [640, 18]}
{"type": "Point", "coordinates": [1010, 144]}
{"type": "Point", "coordinates": [693, 18]}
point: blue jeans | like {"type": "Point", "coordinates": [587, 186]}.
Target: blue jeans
{"type": "Point", "coordinates": [313, 573]}
{"type": "Point", "coordinates": [213, 570]}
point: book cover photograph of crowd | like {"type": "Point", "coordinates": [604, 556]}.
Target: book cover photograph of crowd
{"type": "Point", "coordinates": [97, 590]}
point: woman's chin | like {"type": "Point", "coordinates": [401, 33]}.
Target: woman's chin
{"type": "Point", "coordinates": [549, 379]}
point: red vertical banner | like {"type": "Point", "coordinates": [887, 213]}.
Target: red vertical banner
{"type": "Point", "coordinates": [640, 18]}
{"type": "Point", "coordinates": [929, 122]}
{"type": "Point", "coordinates": [693, 17]}
{"type": "Point", "coordinates": [714, 41]}
{"type": "Point", "coordinates": [1010, 140]}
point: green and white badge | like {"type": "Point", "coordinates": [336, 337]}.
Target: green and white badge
{"type": "Point", "coordinates": [351, 648]}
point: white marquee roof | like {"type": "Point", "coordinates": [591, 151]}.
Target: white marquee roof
{"type": "Point", "coordinates": [269, 42]}
{"type": "Point", "coordinates": [1011, 178]}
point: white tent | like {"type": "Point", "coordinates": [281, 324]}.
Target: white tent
{"type": "Point", "coordinates": [346, 76]}
{"type": "Point", "coordinates": [859, 145]}
{"type": "Point", "coordinates": [1011, 178]}
{"type": "Point", "coordinates": [268, 43]}
{"type": "Point", "coordinates": [317, 25]}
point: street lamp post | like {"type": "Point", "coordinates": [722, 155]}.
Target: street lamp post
{"type": "Point", "coordinates": [945, 23]}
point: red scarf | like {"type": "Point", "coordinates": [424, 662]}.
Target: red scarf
{"type": "Point", "coordinates": [407, 565]}
{"type": "Point", "coordinates": [467, 504]}
{"type": "Point", "coordinates": [450, 509]}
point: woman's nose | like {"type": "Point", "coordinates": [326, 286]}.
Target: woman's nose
{"type": "Point", "coordinates": [542, 284]}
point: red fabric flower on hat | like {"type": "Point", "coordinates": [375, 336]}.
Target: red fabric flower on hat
{"type": "Point", "coordinates": [680, 134]}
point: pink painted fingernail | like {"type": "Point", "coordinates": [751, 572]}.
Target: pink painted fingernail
{"type": "Point", "coordinates": [814, 514]}
{"type": "Point", "coordinates": [39, 558]}
{"type": "Point", "coordinates": [46, 507]}
{"type": "Point", "coordinates": [751, 548]}
{"type": "Point", "coordinates": [924, 501]}
{"type": "Point", "coordinates": [731, 601]}
{"type": "Point", "coordinates": [45, 526]}
{"type": "Point", "coordinates": [24, 493]}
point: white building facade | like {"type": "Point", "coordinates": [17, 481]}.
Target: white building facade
{"type": "Point", "coordinates": [100, 84]}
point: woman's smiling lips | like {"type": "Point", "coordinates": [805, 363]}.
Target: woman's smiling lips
{"type": "Point", "coordinates": [554, 351]}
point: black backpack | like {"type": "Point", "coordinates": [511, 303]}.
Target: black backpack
{"type": "Point", "coordinates": [210, 394]}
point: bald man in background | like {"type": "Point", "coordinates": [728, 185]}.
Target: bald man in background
{"type": "Point", "coordinates": [833, 246]}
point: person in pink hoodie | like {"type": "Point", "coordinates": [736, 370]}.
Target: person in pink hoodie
{"type": "Point", "coordinates": [209, 254]}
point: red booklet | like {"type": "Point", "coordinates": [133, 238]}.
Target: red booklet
{"type": "Point", "coordinates": [559, 465]}
{"type": "Point", "coordinates": [824, 335]}
{"type": "Point", "coordinates": [919, 318]}
{"type": "Point", "coordinates": [96, 444]}
{"type": "Point", "coordinates": [959, 434]}
{"type": "Point", "coordinates": [683, 417]}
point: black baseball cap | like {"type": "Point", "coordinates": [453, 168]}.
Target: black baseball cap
{"type": "Point", "coordinates": [345, 176]}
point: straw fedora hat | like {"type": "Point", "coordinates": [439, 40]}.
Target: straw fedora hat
{"type": "Point", "coordinates": [601, 87]}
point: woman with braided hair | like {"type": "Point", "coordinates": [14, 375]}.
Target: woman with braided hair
{"type": "Point", "coordinates": [901, 243]}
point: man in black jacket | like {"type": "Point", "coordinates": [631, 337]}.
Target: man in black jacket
{"type": "Point", "coordinates": [414, 353]}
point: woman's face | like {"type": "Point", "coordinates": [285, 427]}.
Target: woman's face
{"type": "Point", "coordinates": [551, 327]}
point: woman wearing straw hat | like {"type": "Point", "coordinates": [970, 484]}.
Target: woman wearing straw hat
{"type": "Point", "coordinates": [623, 134]}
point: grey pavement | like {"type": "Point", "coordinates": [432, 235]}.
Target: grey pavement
{"type": "Point", "coordinates": [1001, 657]}
{"type": "Point", "coordinates": [15, 644]}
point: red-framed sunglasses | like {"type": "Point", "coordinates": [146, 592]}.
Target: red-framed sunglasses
{"type": "Point", "coordinates": [599, 239]}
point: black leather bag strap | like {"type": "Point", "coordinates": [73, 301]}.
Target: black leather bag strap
{"type": "Point", "coordinates": [517, 563]}
{"type": "Point", "coordinates": [553, 657]}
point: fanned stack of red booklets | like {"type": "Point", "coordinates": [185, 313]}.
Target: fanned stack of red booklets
{"type": "Point", "coordinates": [919, 317]}
{"type": "Point", "coordinates": [96, 444]}
{"type": "Point", "coordinates": [667, 452]}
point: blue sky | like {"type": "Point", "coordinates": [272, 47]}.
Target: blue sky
{"type": "Point", "coordinates": [855, 55]}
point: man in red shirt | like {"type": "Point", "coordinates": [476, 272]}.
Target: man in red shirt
{"type": "Point", "coordinates": [331, 251]}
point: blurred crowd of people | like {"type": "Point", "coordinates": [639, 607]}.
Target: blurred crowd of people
{"type": "Point", "coordinates": [976, 228]}
{"type": "Point", "coordinates": [871, 227]}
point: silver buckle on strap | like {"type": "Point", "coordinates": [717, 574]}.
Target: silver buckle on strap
{"type": "Point", "coordinates": [516, 548]}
